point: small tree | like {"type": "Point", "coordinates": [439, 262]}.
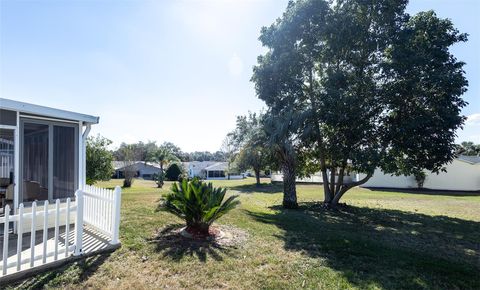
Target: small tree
{"type": "Point", "coordinates": [229, 151]}
{"type": "Point", "coordinates": [99, 159]}
{"type": "Point", "coordinates": [420, 178]}
{"type": "Point", "coordinates": [250, 140]}
{"type": "Point", "coordinates": [199, 204]}
{"type": "Point", "coordinates": [163, 156]}
{"type": "Point", "coordinates": [173, 172]}
{"type": "Point", "coordinates": [130, 156]}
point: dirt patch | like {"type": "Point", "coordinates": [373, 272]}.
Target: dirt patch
{"type": "Point", "coordinates": [176, 242]}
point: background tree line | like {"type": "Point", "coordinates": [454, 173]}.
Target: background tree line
{"type": "Point", "coordinates": [143, 150]}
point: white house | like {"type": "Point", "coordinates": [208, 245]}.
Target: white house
{"type": "Point", "coordinates": [315, 178]}
{"type": "Point", "coordinates": [142, 169]}
{"type": "Point", "coordinates": [463, 174]}
{"type": "Point", "coordinates": [197, 168]}
{"type": "Point", "coordinates": [210, 170]}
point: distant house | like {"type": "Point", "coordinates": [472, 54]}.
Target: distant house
{"type": "Point", "coordinates": [210, 170]}
{"type": "Point", "coordinates": [142, 169]}
{"type": "Point", "coordinates": [314, 178]}
{"type": "Point", "coordinates": [463, 174]}
{"type": "Point", "coordinates": [197, 168]}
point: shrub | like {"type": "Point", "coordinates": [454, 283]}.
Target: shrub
{"type": "Point", "coordinates": [99, 159]}
{"type": "Point", "coordinates": [198, 203]}
{"type": "Point", "coordinates": [420, 178]}
{"type": "Point", "coordinates": [173, 172]}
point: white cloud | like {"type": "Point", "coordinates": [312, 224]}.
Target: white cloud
{"type": "Point", "coordinates": [473, 119]}
{"type": "Point", "coordinates": [235, 65]}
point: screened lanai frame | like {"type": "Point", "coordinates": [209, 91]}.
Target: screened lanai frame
{"type": "Point", "coordinates": [13, 114]}
{"type": "Point", "coordinates": [51, 157]}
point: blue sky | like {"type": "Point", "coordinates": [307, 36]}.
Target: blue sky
{"type": "Point", "coordinates": [165, 70]}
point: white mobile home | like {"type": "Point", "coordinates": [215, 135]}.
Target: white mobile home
{"type": "Point", "coordinates": [210, 170]}
{"type": "Point", "coordinates": [463, 174]}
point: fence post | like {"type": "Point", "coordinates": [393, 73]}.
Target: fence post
{"type": "Point", "coordinates": [6, 229]}
{"type": "Point", "coordinates": [79, 223]}
{"type": "Point", "coordinates": [117, 202]}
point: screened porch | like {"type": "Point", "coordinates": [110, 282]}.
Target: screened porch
{"type": "Point", "coordinates": [42, 153]}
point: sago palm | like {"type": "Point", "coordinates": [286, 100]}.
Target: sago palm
{"type": "Point", "coordinates": [198, 203]}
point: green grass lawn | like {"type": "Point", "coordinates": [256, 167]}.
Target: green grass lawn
{"type": "Point", "coordinates": [382, 240]}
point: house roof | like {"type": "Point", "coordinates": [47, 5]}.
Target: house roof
{"type": "Point", "coordinates": [200, 164]}
{"type": "Point", "coordinates": [219, 166]}
{"type": "Point", "coordinates": [27, 108]}
{"type": "Point", "coordinates": [469, 159]}
{"type": "Point", "coordinates": [122, 164]}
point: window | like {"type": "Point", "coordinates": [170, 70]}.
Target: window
{"type": "Point", "coordinates": [49, 160]}
{"type": "Point", "coordinates": [64, 157]}
{"type": "Point", "coordinates": [8, 117]}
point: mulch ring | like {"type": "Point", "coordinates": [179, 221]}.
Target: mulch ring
{"type": "Point", "coordinates": [221, 236]}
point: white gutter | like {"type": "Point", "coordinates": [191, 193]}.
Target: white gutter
{"type": "Point", "coordinates": [84, 154]}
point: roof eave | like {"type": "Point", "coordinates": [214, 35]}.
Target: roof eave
{"type": "Point", "coordinates": [46, 111]}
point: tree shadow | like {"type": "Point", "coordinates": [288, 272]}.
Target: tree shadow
{"type": "Point", "coordinates": [426, 191]}
{"type": "Point", "coordinates": [77, 271]}
{"type": "Point", "coordinates": [263, 188]}
{"type": "Point", "coordinates": [383, 248]}
{"type": "Point", "coordinates": [171, 244]}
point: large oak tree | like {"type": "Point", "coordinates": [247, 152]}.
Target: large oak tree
{"type": "Point", "coordinates": [369, 85]}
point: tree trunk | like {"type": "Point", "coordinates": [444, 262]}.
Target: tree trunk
{"type": "Point", "coordinates": [345, 188]}
{"type": "Point", "coordinates": [199, 230]}
{"type": "Point", "coordinates": [257, 176]}
{"type": "Point", "coordinates": [160, 177]}
{"type": "Point", "coordinates": [326, 188]}
{"type": "Point", "coordinates": [332, 180]}
{"type": "Point", "coordinates": [289, 186]}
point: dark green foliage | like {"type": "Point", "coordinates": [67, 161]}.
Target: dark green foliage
{"type": "Point", "coordinates": [173, 172]}
{"type": "Point", "coordinates": [366, 85]}
{"type": "Point", "coordinates": [198, 203]}
{"type": "Point", "coordinates": [140, 151]}
{"type": "Point", "coordinates": [99, 159]}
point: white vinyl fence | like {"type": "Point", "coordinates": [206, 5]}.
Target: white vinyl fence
{"type": "Point", "coordinates": [96, 207]}
{"type": "Point", "coordinates": [100, 210]}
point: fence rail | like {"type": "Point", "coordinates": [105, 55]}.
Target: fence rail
{"type": "Point", "coordinates": [39, 214]}
{"type": "Point", "coordinates": [102, 210]}
{"type": "Point", "coordinates": [96, 207]}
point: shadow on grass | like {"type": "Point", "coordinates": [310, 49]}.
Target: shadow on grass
{"type": "Point", "coordinates": [384, 248]}
{"type": "Point", "coordinates": [263, 188]}
{"type": "Point", "coordinates": [76, 272]}
{"type": "Point", "coordinates": [171, 244]}
{"type": "Point", "coordinates": [426, 191]}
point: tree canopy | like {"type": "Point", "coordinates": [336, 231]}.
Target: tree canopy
{"type": "Point", "coordinates": [99, 159]}
{"type": "Point", "coordinates": [250, 142]}
{"type": "Point", "coordinates": [360, 85]}
{"type": "Point", "coordinates": [468, 148]}
{"type": "Point", "coordinates": [142, 151]}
